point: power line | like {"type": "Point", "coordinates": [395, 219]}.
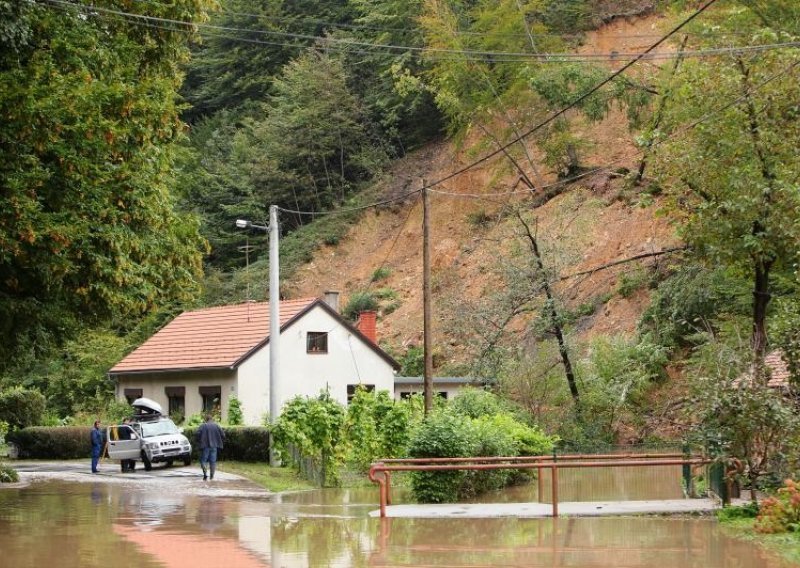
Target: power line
{"type": "Point", "coordinates": [466, 54]}
{"type": "Point", "coordinates": [353, 209]}
{"type": "Point", "coordinates": [626, 157]}
{"type": "Point", "coordinates": [486, 197]}
{"type": "Point", "coordinates": [576, 101]}
{"type": "Point", "coordinates": [356, 27]}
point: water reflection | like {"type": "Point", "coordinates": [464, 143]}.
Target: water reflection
{"type": "Point", "coordinates": [83, 525]}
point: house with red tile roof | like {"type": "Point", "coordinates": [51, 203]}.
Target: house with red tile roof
{"type": "Point", "coordinates": [202, 358]}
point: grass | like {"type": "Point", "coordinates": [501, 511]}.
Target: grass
{"type": "Point", "coordinates": [271, 478]}
{"type": "Point", "coordinates": [785, 544]}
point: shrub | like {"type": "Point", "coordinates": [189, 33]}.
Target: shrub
{"type": "Point", "coordinates": [475, 403]}
{"type": "Point", "coordinates": [60, 443]}
{"type": "Point", "coordinates": [412, 362]}
{"type": "Point", "coordinates": [359, 302]}
{"type": "Point", "coordinates": [8, 474]}
{"type": "Point", "coordinates": [381, 273]}
{"type": "Point", "coordinates": [780, 513]}
{"type": "Point", "coordinates": [746, 511]}
{"type": "Point", "coordinates": [376, 427]}
{"type": "Point", "coordinates": [21, 407]}
{"type": "Point", "coordinates": [441, 435]}
{"type": "Point", "coordinates": [235, 416]}
{"type": "Point", "coordinates": [479, 219]}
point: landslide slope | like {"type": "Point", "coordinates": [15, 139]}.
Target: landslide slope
{"type": "Point", "coordinates": [591, 223]}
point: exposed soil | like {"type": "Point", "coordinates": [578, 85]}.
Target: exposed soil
{"type": "Point", "coordinates": [587, 220]}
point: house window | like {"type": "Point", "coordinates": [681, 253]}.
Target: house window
{"type": "Point", "coordinates": [176, 397]}
{"type": "Point", "coordinates": [212, 399]}
{"type": "Point", "coordinates": [409, 394]}
{"type": "Point", "coordinates": [132, 394]}
{"type": "Point", "coordinates": [317, 342]}
{"type": "Point", "coordinates": [352, 389]}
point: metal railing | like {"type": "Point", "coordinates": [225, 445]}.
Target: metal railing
{"type": "Point", "coordinates": [380, 472]}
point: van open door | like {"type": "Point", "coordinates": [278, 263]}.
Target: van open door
{"type": "Point", "coordinates": [123, 443]}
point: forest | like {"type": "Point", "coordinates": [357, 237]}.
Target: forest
{"type": "Point", "coordinates": [135, 132]}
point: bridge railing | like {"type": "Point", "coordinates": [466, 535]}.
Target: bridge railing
{"type": "Point", "coordinates": [380, 472]}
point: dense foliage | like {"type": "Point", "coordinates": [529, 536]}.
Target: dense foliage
{"type": "Point", "coordinates": [781, 512]}
{"type": "Point", "coordinates": [478, 425]}
{"type": "Point", "coordinates": [21, 407]}
{"type": "Point", "coordinates": [62, 442]}
{"type": "Point", "coordinates": [242, 443]}
{"type": "Point", "coordinates": [88, 228]}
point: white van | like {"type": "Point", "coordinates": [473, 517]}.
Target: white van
{"type": "Point", "coordinates": [150, 437]}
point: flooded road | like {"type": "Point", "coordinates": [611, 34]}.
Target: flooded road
{"type": "Point", "coordinates": [96, 524]}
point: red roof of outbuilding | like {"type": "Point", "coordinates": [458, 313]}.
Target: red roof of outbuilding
{"type": "Point", "coordinates": [211, 338]}
{"type": "Point", "coordinates": [778, 370]}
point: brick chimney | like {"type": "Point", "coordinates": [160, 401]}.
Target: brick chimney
{"type": "Point", "coordinates": [366, 325]}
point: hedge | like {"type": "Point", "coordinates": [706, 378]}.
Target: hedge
{"type": "Point", "coordinates": [59, 443]}
{"type": "Point", "coordinates": [242, 443]}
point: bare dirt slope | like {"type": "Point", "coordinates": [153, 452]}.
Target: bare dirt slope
{"type": "Point", "coordinates": [587, 220]}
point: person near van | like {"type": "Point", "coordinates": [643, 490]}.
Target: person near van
{"type": "Point", "coordinates": [210, 438]}
{"type": "Point", "coordinates": [97, 445]}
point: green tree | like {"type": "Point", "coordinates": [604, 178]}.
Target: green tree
{"type": "Point", "coordinates": [226, 72]}
{"type": "Point", "coordinates": [88, 117]}
{"type": "Point", "coordinates": [734, 179]}
{"type": "Point", "coordinates": [313, 145]}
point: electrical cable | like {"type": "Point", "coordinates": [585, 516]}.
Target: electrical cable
{"type": "Point", "coordinates": [576, 101]}
{"type": "Point", "coordinates": [478, 55]}
{"type": "Point", "coordinates": [318, 22]}
{"type": "Point", "coordinates": [710, 114]}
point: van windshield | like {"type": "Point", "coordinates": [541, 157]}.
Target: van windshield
{"type": "Point", "coordinates": [159, 428]}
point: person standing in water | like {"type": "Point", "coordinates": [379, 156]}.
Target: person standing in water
{"type": "Point", "coordinates": [210, 438]}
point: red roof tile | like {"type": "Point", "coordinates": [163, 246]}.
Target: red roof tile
{"type": "Point", "coordinates": [210, 338]}
{"type": "Point", "coordinates": [778, 370]}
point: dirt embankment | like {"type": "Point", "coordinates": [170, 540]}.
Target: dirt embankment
{"type": "Point", "coordinates": [587, 220]}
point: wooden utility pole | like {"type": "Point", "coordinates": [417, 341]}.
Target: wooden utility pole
{"type": "Point", "coordinates": [426, 301]}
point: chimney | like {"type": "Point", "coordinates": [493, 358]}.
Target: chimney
{"type": "Point", "coordinates": [332, 299]}
{"type": "Point", "coordinates": [366, 325]}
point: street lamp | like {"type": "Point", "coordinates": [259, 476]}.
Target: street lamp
{"type": "Point", "coordinates": [274, 316]}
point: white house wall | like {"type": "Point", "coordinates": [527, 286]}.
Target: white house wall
{"type": "Point", "coordinates": [253, 387]}
{"type": "Point", "coordinates": [349, 361]}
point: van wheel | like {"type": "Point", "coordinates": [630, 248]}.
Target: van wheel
{"type": "Point", "coordinates": [169, 463]}
{"type": "Point", "coordinates": [187, 461]}
{"type": "Point", "coordinates": [146, 462]}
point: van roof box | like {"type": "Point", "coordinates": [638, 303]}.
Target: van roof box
{"type": "Point", "coordinates": [147, 407]}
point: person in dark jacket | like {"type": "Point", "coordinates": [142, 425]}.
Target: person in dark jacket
{"type": "Point", "coordinates": [97, 445]}
{"type": "Point", "coordinates": [210, 438]}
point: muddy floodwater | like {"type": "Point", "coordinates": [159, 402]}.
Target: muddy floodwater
{"type": "Point", "coordinates": [97, 524]}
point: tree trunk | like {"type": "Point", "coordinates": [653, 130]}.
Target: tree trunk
{"type": "Point", "coordinates": [761, 298]}
{"type": "Point", "coordinates": [552, 314]}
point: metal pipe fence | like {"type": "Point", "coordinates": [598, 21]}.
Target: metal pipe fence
{"type": "Point", "coordinates": [380, 472]}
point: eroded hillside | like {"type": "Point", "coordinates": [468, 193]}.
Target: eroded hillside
{"type": "Point", "coordinates": [588, 224]}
